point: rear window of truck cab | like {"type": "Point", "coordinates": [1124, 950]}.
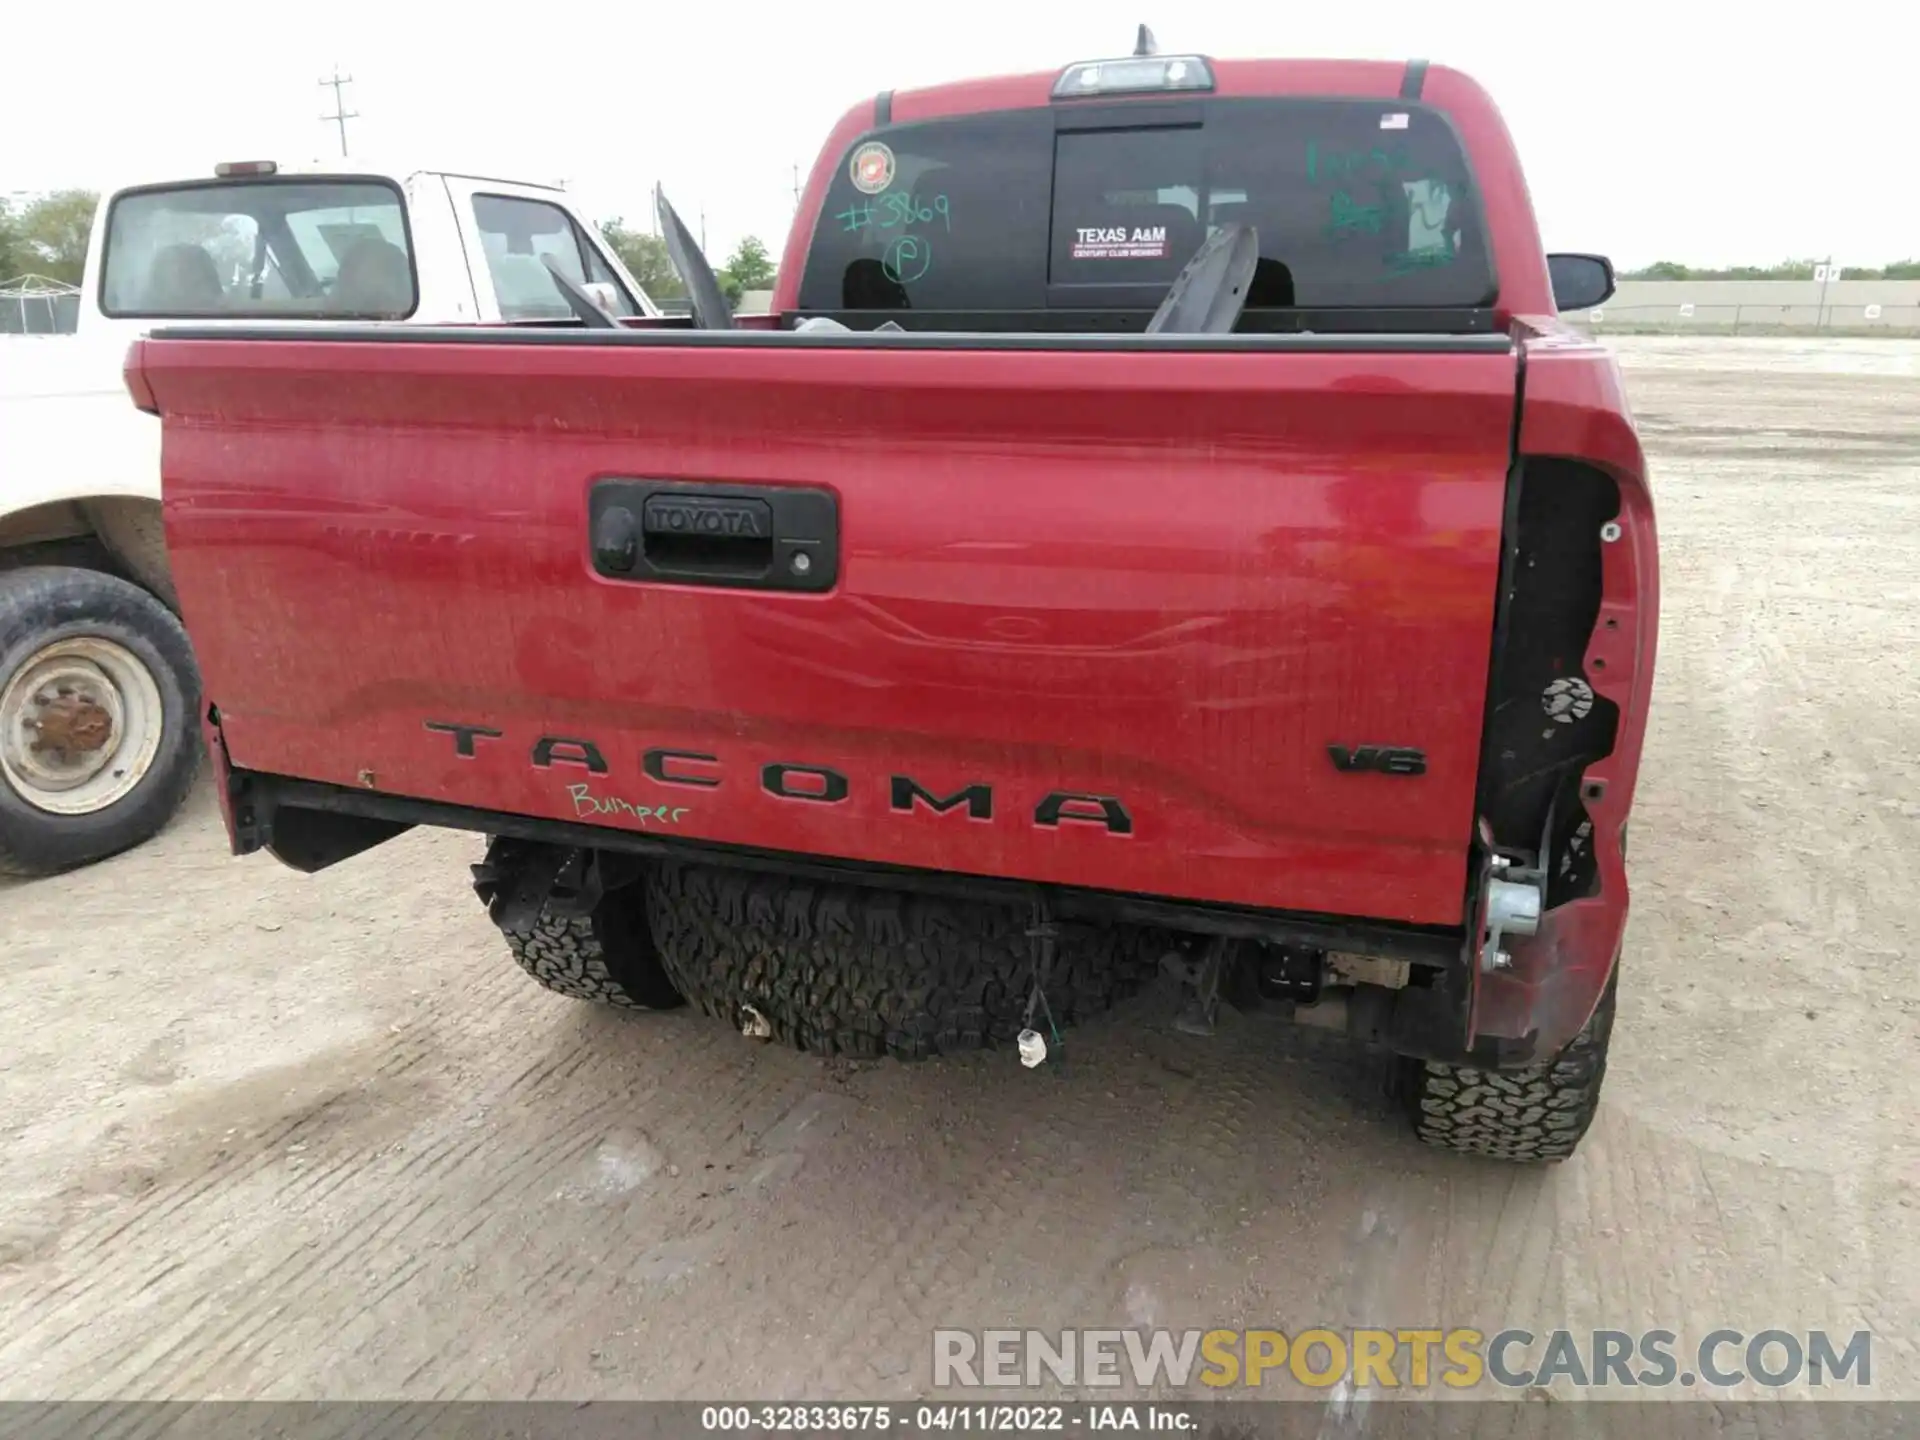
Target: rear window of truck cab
{"type": "Point", "coordinates": [260, 249]}
{"type": "Point", "coordinates": [1357, 204]}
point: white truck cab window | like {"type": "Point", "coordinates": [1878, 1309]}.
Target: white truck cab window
{"type": "Point", "coordinates": [520, 237]}
{"type": "Point", "coordinates": [257, 249]}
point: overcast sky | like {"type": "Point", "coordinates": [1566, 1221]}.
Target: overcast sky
{"type": "Point", "coordinates": [1678, 130]}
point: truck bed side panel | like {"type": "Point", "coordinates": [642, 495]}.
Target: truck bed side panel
{"type": "Point", "coordinates": [1189, 585]}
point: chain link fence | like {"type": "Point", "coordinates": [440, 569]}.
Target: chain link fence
{"type": "Point", "coordinates": [35, 305]}
{"type": "Point", "coordinates": [1691, 318]}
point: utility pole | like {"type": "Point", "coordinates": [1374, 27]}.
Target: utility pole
{"type": "Point", "coordinates": [340, 114]}
{"type": "Point", "coordinates": [796, 185]}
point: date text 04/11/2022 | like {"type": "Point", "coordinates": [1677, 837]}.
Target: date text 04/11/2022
{"type": "Point", "coordinates": [942, 1419]}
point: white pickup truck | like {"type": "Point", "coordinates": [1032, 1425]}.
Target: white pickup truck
{"type": "Point", "coordinates": [99, 694]}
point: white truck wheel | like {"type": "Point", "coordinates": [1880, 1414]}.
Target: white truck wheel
{"type": "Point", "coordinates": [98, 702]}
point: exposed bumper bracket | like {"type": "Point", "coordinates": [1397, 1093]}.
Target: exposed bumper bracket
{"type": "Point", "coordinates": [1515, 900]}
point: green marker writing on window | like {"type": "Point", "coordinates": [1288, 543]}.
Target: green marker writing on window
{"type": "Point", "coordinates": [1346, 217]}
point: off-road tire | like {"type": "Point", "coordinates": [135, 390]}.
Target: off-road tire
{"type": "Point", "coordinates": [847, 970]}
{"type": "Point", "coordinates": [1538, 1113]}
{"type": "Point", "coordinates": [606, 956]}
{"type": "Point", "coordinates": [42, 604]}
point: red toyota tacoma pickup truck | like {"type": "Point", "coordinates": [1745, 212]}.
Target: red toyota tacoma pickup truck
{"type": "Point", "coordinates": [1164, 526]}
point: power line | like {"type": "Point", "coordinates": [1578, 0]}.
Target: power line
{"type": "Point", "coordinates": [340, 114]}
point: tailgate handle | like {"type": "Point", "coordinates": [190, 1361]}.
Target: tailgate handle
{"type": "Point", "coordinates": [760, 537]}
{"type": "Point", "coordinates": [707, 535]}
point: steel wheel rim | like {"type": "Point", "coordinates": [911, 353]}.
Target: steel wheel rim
{"type": "Point", "coordinates": [80, 725]}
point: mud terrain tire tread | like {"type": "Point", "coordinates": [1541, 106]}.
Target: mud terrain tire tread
{"type": "Point", "coordinates": [43, 603]}
{"type": "Point", "coordinates": [840, 969]}
{"type": "Point", "coordinates": [1538, 1113]}
{"type": "Point", "coordinates": [604, 957]}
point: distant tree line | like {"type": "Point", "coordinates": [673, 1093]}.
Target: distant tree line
{"type": "Point", "coordinates": [47, 236]}
{"type": "Point", "coordinates": [750, 267]}
{"type": "Point", "coordinates": [1785, 270]}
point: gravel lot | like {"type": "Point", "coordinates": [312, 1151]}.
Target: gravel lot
{"type": "Point", "coordinates": [279, 1137]}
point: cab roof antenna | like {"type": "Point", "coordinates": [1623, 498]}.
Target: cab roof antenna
{"type": "Point", "coordinates": [1145, 44]}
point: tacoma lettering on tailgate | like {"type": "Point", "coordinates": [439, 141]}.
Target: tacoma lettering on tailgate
{"type": "Point", "coordinates": [795, 780]}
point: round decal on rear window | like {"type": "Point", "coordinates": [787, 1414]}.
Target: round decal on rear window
{"type": "Point", "coordinates": [871, 168]}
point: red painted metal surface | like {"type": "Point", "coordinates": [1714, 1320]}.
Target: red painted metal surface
{"type": "Point", "coordinates": [1175, 579]}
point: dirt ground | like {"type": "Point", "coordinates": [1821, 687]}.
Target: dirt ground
{"type": "Point", "coordinates": [264, 1135]}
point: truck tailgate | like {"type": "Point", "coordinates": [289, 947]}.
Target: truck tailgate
{"type": "Point", "coordinates": [1210, 625]}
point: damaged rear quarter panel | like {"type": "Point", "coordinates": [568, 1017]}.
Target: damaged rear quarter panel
{"type": "Point", "coordinates": [1576, 408]}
